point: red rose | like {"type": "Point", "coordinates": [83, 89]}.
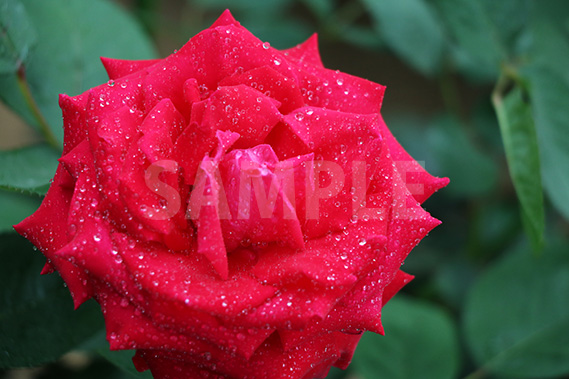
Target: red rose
{"type": "Point", "coordinates": [236, 210]}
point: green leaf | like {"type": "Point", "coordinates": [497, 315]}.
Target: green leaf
{"type": "Point", "coordinates": [550, 48]}
{"type": "Point", "coordinates": [550, 102]}
{"type": "Point", "coordinates": [420, 342]}
{"type": "Point", "coordinates": [123, 360]}
{"type": "Point", "coordinates": [550, 30]}
{"type": "Point", "coordinates": [37, 320]}
{"type": "Point", "coordinates": [120, 358]}
{"type": "Point", "coordinates": [321, 8]}
{"type": "Point", "coordinates": [72, 35]}
{"type": "Point", "coordinates": [522, 152]}
{"type": "Point", "coordinates": [336, 373]}
{"type": "Point", "coordinates": [412, 29]}
{"type": "Point", "coordinates": [29, 169]}
{"type": "Point", "coordinates": [15, 207]}
{"type": "Point", "coordinates": [473, 30]}
{"type": "Point", "coordinates": [453, 279]}
{"type": "Point", "coordinates": [472, 171]}
{"type": "Point", "coordinates": [496, 224]}
{"type": "Point", "coordinates": [548, 80]}
{"type": "Point", "coordinates": [244, 5]}
{"type": "Point", "coordinates": [484, 32]}
{"type": "Point", "coordinates": [509, 18]}
{"type": "Point", "coordinates": [517, 315]}
{"type": "Point", "coordinates": [361, 36]}
{"type": "Point", "coordinates": [17, 36]}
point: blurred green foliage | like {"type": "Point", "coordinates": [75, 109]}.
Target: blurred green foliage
{"type": "Point", "coordinates": [478, 90]}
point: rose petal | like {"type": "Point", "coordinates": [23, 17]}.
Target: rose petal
{"type": "Point", "coordinates": [408, 225]}
{"type": "Point", "coordinates": [420, 183]}
{"type": "Point", "coordinates": [225, 19]}
{"type": "Point", "coordinates": [338, 140]}
{"type": "Point", "coordinates": [301, 205]}
{"type": "Point", "coordinates": [187, 280]}
{"type": "Point", "coordinates": [268, 362]}
{"type": "Point", "coordinates": [259, 190]}
{"type": "Point", "coordinates": [338, 91]}
{"type": "Point", "coordinates": [129, 328]}
{"type": "Point", "coordinates": [400, 280]}
{"type": "Point", "coordinates": [272, 84]}
{"type": "Point", "coordinates": [239, 109]}
{"type": "Point", "coordinates": [155, 143]}
{"type": "Point", "coordinates": [306, 53]}
{"type": "Point", "coordinates": [152, 198]}
{"type": "Point", "coordinates": [74, 123]}
{"type": "Point", "coordinates": [117, 68]}
{"type": "Point", "coordinates": [206, 210]}
{"type": "Point", "coordinates": [47, 230]}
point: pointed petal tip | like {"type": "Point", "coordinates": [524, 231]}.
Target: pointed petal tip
{"type": "Point", "coordinates": [65, 102]}
{"type": "Point", "coordinates": [225, 19]}
{"type": "Point", "coordinates": [433, 186]}
{"type": "Point", "coordinates": [108, 64]}
{"type": "Point", "coordinates": [311, 43]}
{"type": "Point", "coordinates": [106, 61]}
{"type": "Point", "coordinates": [77, 302]}
{"type": "Point", "coordinates": [47, 269]}
{"type": "Point", "coordinates": [221, 266]}
{"type": "Point", "coordinates": [117, 68]}
{"type": "Point", "coordinates": [78, 294]}
{"type": "Point", "coordinates": [218, 260]}
{"type": "Point", "coordinates": [19, 228]}
{"type": "Point", "coordinates": [23, 226]}
{"type": "Point", "coordinates": [307, 51]}
{"type": "Point", "coordinates": [400, 280]}
{"type": "Point", "coordinates": [441, 182]}
{"type": "Point", "coordinates": [375, 326]}
{"type": "Point", "coordinates": [312, 40]}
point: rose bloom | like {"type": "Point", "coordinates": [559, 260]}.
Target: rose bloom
{"type": "Point", "coordinates": [237, 211]}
